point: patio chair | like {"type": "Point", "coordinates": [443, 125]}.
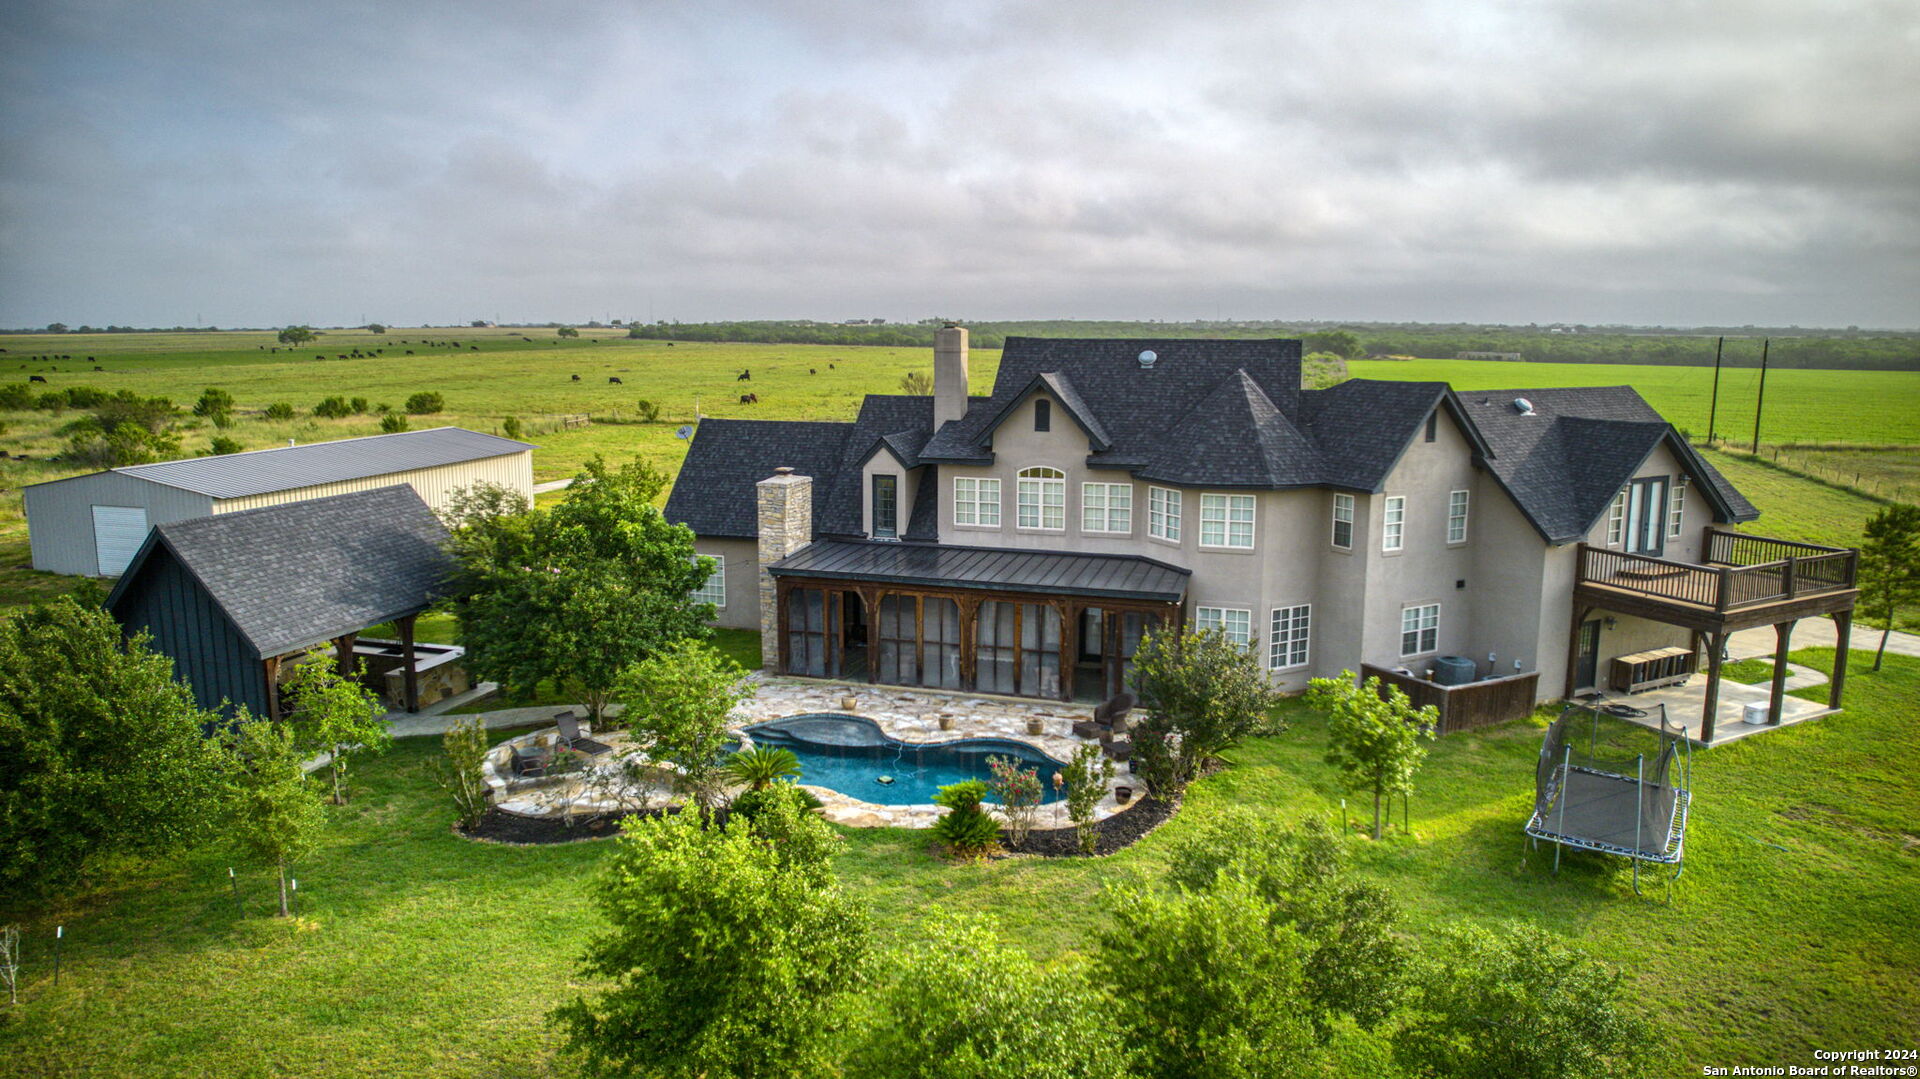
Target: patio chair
{"type": "Point", "coordinates": [573, 735]}
{"type": "Point", "coordinates": [1117, 708]}
{"type": "Point", "coordinates": [531, 762]}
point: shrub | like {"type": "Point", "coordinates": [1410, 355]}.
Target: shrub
{"type": "Point", "coordinates": [967, 830]}
{"type": "Point", "coordinates": [757, 767]}
{"type": "Point", "coordinates": [510, 427]}
{"type": "Point", "coordinates": [333, 408]}
{"type": "Point", "coordinates": [126, 444]}
{"type": "Point", "coordinates": [727, 954]}
{"type": "Point", "coordinates": [280, 410]}
{"type": "Point", "coordinates": [964, 1005]}
{"type": "Point", "coordinates": [1019, 792]}
{"type": "Point", "coordinates": [375, 327]}
{"type": "Point", "coordinates": [567, 331]}
{"type": "Point", "coordinates": [916, 384]}
{"type": "Point", "coordinates": [359, 406]}
{"type": "Point", "coordinates": [1088, 774]}
{"type": "Point", "coordinates": [393, 423]}
{"type": "Point", "coordinates": [221, 446]}
{"type": "Point", "coordinates": [213, 401]}
{"type": "Point", "coordinates": [16, 397]}
{"type": "Point", "coordinates": [460, 770]}
{"type": "Point", "coordinates": [647, 411]}
{"type": "Point", "coordinates": [1518, 1004]}
{"type": "Point", "coordinates": [1205, 691]}
{"type": "Point", "coordinates": [425, 403]}
{"type": "Point", "coordinates": [751, 804]}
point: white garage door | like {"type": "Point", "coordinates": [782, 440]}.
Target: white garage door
{"type": "Point", "coordinates": [118, 532]}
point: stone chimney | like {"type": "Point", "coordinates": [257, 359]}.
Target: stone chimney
{"type": "Point", "coordinates": [786, 525]}
{"type": "Point", "coordinates": [949, 374]}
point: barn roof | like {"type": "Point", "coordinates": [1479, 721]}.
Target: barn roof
{"type": "Point", "coordinates": [299, 574]}
{"type": "Point", "coordinates": [259, 472]}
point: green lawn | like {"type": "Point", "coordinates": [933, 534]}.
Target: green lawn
{"type": "Point", "coordinates": [419, 953]}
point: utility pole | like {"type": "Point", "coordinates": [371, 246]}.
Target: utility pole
{"type": "Point", "coordinates": [1713, 410]}
{"type": "Point", "coordinates": [1762, 398]}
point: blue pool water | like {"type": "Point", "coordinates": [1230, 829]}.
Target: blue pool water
{"type": "Point", "coordinates": [851, 755]}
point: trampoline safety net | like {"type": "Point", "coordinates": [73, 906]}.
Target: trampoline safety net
{"type": "Point", "coordinates": [1608, 798]}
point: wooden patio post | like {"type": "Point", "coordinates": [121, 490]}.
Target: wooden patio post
{"type": "Point", "coordinates": [1781, 632]}
{"type": "Point", "coordinates": [343, 653]}
{"type": "Point", "coordinates": [870, 598]}
{"type": "Point", "coordinates": [271, 667]}
{"type": "Point", "coordinates": [1716, 646]}
{"type": "Point", "coordinates": [409, 677]}
{"type": "Point", "coordinates": [969, 641]}
{"type": "Point", "coordinates": [1842, 644]}
{"type": "Point", "coordinates": [1069, 647]}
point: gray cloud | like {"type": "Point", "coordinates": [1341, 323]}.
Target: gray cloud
{"type": "Point", "coordinates": [261, 164]}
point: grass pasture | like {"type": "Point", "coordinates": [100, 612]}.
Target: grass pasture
{"type": "Point", "coordinates": [419, 953]}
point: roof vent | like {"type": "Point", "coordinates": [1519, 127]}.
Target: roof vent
{"type": "Point", "coordinates": [1147, 359]}
{"type": "Point", "coordinates": [1523, 406]}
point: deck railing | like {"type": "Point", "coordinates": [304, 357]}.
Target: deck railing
{"type": "Point", "coordinates": [1740, 571]}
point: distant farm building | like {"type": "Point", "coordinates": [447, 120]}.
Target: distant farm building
{"type": "Point", "coordinates": [1506, 357]}
{"type": "Point", "coordinates": [93, 524]}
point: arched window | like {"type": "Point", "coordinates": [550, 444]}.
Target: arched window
{"type": "Point", "coordinates": [1043, 499]}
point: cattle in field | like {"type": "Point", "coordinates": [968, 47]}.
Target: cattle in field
{"type": "Point", "coordinates": [36, 378]}
{"type": "Point", "coordinates": [576, 378]}
{"type": "Point", "coordinates": [744, 376]}
{"type": "Point", "coordinates": [615, 378]}
{"type": "Point", "coordinates": [749, 398]}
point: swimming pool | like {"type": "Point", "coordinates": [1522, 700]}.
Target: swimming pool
{"type": "Point", "coordinates": [855, 757]}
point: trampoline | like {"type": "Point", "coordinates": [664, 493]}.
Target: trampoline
{"type": "Point", "coordinates": [1628, 804]}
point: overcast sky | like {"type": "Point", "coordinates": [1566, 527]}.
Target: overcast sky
{"type": "Point", "coordinates": [262, 162]}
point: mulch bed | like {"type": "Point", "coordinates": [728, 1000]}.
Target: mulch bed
{"type": "Point", "coordinates": [1118, 832]}
{"type": "Point", "coordinates": [515, 830]}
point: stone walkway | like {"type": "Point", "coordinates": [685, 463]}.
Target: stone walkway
{"type": "Point", "coordinates": [910, 715]}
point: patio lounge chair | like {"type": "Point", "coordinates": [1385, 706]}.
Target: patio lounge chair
{"type": "Point", "coordinates": [1116, 709]}
{"type": "Point", "coordinates": [529, 762]}
{"type": "Point", "coordinates": [573, 735]}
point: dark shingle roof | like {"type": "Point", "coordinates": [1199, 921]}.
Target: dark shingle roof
{"type": "Point", "coordinates": [240, 475]}
{"type": "Point", "coordinates": [902, 424]}
{"type": "Point", "coordinates": [715, 495]}
{"type": "Point", "coordinates": [1111, 576]}
{"type": "Point", "coordinates": [1234, 437]}
{"type": "Point", "coordinates": [1564, 463]}
{"type": "Point", "coordinates": [299, 574]}
{"type": "Point", "coordinates": [1362, 427]}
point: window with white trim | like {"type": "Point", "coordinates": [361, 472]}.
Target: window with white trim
{"type": "Point", "coordinates": [1393, 534]}
{"type": "Point", "coordinates": [1106, 507]}
{"type": "Point", "coordinates": [1457, 517]}
{"type": "Point", "coordinates": [1617, 519]}
{"type": "Point", "coordinates": [715, 590]}
{"type": "Point", "coordinates": [1675, 507]}
{"type": "Point", "coordinates": [976, 502]}
{"type": "Point", "coordinates": [1419, 629]}
{"type": "Point", "coordinates": [1288, 644]}
{"type": "Point", "coordinates": [1226, 521]}
{"type": "Point", "coordinates": [1236, 624]}
{"type": "Point", "coordinates": [1043, 499]}
{"type": "Point", "coordinates": [1163, 514]}
{"type": "Point", "coordinates": [1343, 522]}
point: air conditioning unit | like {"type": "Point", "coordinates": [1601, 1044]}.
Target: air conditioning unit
{"type": "Point", "coordinates": [1454, 671]}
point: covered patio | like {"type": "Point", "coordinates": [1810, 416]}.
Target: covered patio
{"type": "Point", "coordinates": [974, 619]}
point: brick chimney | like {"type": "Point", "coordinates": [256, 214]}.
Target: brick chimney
{"type": "Point", "coordinates": [786, 525]}
{"type": "Point", "coordinates": [949, 374]}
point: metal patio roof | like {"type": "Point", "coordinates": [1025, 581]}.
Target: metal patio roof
{"type": "Point", "coordinates": [989, 569]}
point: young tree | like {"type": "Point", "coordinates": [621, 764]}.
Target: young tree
{"type": "Point", "coordinates": [335, 714]}
{"type": "Point", "coordinates": [1208, 986]}
{"type": "Point", "coordinates": [460, 770]}
{"type": "Point", "coordinates": [916, 384]}
{"type": "Point", "coordinates": [277, 813]}
{"type": "Point", "coordinates": [1089, 774]}
{"type": "Point", "coordinates": [1352, 962]}
{"type": "Point", "coordinates": [1206, 694]}
{"type": "Point", "coordinates": [729, 954]}
{"type": "Point", "coordinates": [964, 1005]}
{"type": "Point", "coordinates": [106, 749]}
{"type": "Point", "coordinates": [1019, 792]}
{"type": "Point", "coordinates": [1518, 1004]}
{"type": "Point", "coordinates": [1374, 741]}
{"type": "Point", "coordinates": [577, 593]}
{"type": "Point", "coordinates": [1889, 568]}
{"type": "Point", "coordinates": [678, 700]}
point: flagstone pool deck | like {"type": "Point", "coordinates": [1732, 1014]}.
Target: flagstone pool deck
{"type": "Point", "coordinates": [910, 715]}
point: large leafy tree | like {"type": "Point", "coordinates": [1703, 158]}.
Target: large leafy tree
{"type": "Point", "coordinates": [965, 1005]}
{"type": "Point", "coordinates": [1889, 568]}
{"type": "Point", "coordinates": [1374, 739]}
{"type": "Point", "coordinates": [677, 703]}
{"type": "Point", "coordinates": [578, 593]}
{"type": "Point", "coordinates": [1203, 693]}
{"type": "Point", "coordinates": [277, 810]}
{"type": "Point", "coordinates": [105, 753]}
{"type": "Point", "coordinates": [731, 949]}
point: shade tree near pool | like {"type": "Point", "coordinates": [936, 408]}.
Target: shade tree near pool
{"type": "Point", "coordinates": [677, 703]}
{"type": "Point", "coordinates": [1203, 694]}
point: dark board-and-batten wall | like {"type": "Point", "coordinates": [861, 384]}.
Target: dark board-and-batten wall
{"type": "Point", "coordinates": [209, 655]}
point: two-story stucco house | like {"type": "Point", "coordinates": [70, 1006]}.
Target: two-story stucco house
{"type": "Point", "coordinates": [1022, 543]}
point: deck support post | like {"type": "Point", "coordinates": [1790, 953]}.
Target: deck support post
{"type": "Point", "coordinates": [1842, 644]}
{"type": "Point", "coordinates": [1782, 631]}
{"type": "Point", "coordinates": [409, 677]}
{"type": "Point", "coordinates": [1710, 709]}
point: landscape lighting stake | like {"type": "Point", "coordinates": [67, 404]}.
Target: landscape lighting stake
{"type": "Point", "coordinates": [293, 898]}
{"type": "Point", "coordinates": [1762, 398]}
{"type": "Point", "coordinates": [1713, 410]}
{"type": "Point", "coordinates": [234, 883]}
{"type": "Point", "coordinates": [59, 931]}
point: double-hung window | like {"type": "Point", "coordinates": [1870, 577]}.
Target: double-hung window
{"type": "Point", "coordinates": [1163, 514]}
{"type": "Point", "coordinates": [976, 502]}
{"type": "Point", "coordinates": [1226, 521]}
{"type": "Point", "coordinates": [1106, 507]}
{"type": "Point", "coordinates": [1288, 644]}
{"type": "Point", "coordinates": [1343, 522]}
{"type": "Point", "coordinates": [1393, 533]}
{"type": "Point", "coordinates": [714, 591]}
{"type": "Point", "coordinates": [1419, 629]}
{"type": "Point", "coordinates": [1457, 517]}
{"type": "Point", "coordinates": [1043, 499]}
{"type": "Point", "coordinates": [1236, 624]}
{"type": "Point", "coordinates": [1676, 507]}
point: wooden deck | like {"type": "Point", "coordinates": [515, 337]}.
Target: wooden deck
{"type": "Point", "coordinates": [1745, 581]}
